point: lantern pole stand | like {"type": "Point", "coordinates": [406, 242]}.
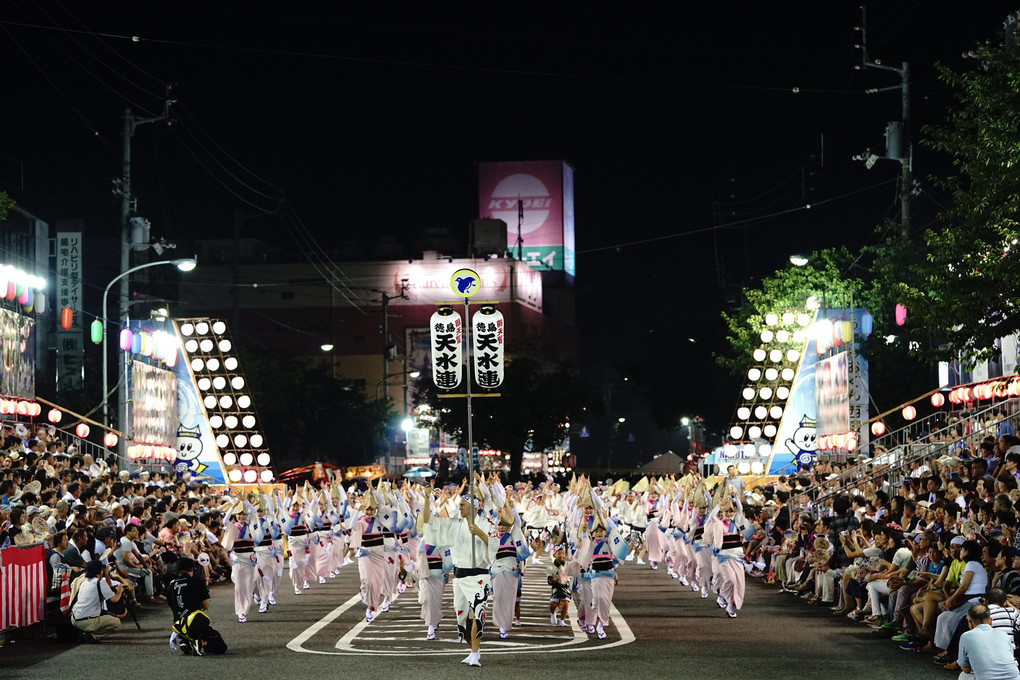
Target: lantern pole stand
{"type": "Point", "coordinates": [468, 363]}
{"type": "Point", "coordinates": [184, 264]}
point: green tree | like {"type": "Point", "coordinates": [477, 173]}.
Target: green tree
{"type": "Point", "coordinates": [536, 402]}
{"type": "Point", "coordinates": [873, 280]}
{"type": "Point", "coordinates": [971, 281]}
{"type": "Point", "coordinates": [6, 202]}
{"type": "Point", "coordinates": [828, 277]}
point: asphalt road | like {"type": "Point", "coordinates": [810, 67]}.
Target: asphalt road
{"type": "Point", "coordinates": [661, 630]}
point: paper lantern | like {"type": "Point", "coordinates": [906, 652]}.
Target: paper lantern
{"type": "Point", "coordinates": [40, 303]}
{"type": "Point", "coordinates": [110, 439]}
{"type": "Point", "coordinates": [901, 314]}
{"type": "Point", "coordinates": [938, 400]}
{"type": "Point", "coordinates": [54, 416]}
{"type": "Point", "coordinates": [66, 318]}
{"type": "Point", "coordinates": [909, 412]}
{"type": "Point", "coordinates": [136, 343]}
{"type": "Point", "coordinates": [878, 428]}
{"type": "Point", "coordinates": [234, 475]}
{"type": "Point", "coordinates": [12, 290]}
{"type": "Point", "coordinates": [867, 324]}
{"type": "Point", "coordinates": [125, 339]}
{"type": "Point", "coordinates": [251, 476]}
{"type": "Point", "coordinates": [22, 408]}
{"type": "Point", "coordinates": [96, 331]}
{"type": "Point", "coordinates": [82, 430]}
{"type": "Point", "coordinates": [263, 459]}
{"type": "Point", "coordinates": [847, 330]}
{"type": "Point", "coordinates": [25, 297]}
{"type": "Point", "coordinates": [266, 475]}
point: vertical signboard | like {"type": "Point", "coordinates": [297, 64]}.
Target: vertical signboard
{"type": "Point", "coordinates": [487, 347]}
{"type": "Point", "coordinates": [447, 353]}
{"type": "Point", "coordinates": [70, 352]}
{"type": "Point", "coordinates": [797, 440]}
{"type": "Point", "coordinates": [536, 200]}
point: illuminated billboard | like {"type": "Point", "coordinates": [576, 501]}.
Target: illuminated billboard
{"type": "Point", "coordinates": [17, 349]}
{"type": "Point", "coordinates": [536, 200]}
{"type": "Point", "coordinates": [832, 391]}
{"type": "Point", "coordinates": [153, 405]}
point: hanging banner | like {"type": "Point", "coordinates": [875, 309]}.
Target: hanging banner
{"type": "Point", "coordinates": [487, 345]}
{"type": "Point", "coordinates": [447, 354]}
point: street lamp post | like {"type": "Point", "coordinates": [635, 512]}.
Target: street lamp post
{"type": "Point", "coordinates": [185, 265]}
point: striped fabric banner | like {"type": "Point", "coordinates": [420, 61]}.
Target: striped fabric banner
{"type": "Point", "coordinates": [22, 586]}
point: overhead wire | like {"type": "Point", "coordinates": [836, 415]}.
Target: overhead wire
{"type": "Point", "coordinates": [88, 71]}
{"type": "Point", "coordinates": [132, 63]}
{"type": "Point", "coordinates": [194, 119]}
{"type": "Point", "coordinates": [60, 92]}
{"type": "Point", "coordinates": [464, 67]}
{"type": "Point", "coordinates": [95, 57]}
{"type": "Point", "coordinates": [717, 227]}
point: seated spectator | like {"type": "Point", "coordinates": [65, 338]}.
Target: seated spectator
{"type": "Point", "coordinates": [985, 652]}
{"type": "Point", "coordinates": [973, 584]}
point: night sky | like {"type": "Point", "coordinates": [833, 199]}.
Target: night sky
{"type": "Point", "coordinates": [370, 124]}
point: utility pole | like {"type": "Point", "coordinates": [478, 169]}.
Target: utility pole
{"type": "Point", "coordinates": [128, 203]}
{"type": "Point", "coordinates": [897, 133]}
{"type": "Point", "coordinates": [387, 354]}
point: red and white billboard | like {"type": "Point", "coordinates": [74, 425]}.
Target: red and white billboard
{"type": "Point", "coordinates": [536, 198]}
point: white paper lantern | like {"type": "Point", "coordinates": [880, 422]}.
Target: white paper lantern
{"type": "Point", "coordinates": [235, 475]}
{"type": "Point", "coordinates": [219, 327]}
{"type": "Point", "coordinates": [246, 458]}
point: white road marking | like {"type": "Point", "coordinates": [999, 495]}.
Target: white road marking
{"type": "Point", "coordinates": [579, 641]}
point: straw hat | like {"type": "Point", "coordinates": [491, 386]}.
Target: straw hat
{"type": "Point", "coordinates": [506, 515]}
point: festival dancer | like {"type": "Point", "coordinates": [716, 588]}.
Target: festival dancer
{"type": "Point", "coordinates": [702, 550]}
{"type": "Point", "coordinates": [265, 558]}
{"type": "Point", "coordinates": [434, 564]}
{"type": "Point", "coordinates": [297, 527]}
{"type": "Point", "coordinates": [506, 569]}
{"type": "Point", "coordinates": [653, 537]}
{"type": "Point", "coordinates": [600, 555]}
{"type": "Point", "coordinates": [367, 542]}
{"type": "Point", "coordinates": [726, 537]}
{"type": "Point", "coordinates": [472, 551]}
{"type": "Point", "coordinates": [240, 537]}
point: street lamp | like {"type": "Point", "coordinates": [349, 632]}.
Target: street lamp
{"type": "Point", "coordinates": [185, 265]}
{"type": "Point", "coordinates": [379, 385]}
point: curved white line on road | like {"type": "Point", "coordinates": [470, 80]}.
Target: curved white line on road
{"type": "Point", "coordinates": [343, 645]}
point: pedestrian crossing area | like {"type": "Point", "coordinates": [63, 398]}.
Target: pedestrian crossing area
{"type": "Point", "coordinates": [401, 631]}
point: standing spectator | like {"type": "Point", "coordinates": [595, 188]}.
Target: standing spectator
{"type": "Point", "coordinates": [985, 651]}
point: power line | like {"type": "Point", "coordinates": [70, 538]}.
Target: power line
{"type": "Point", "coordinates": [60, 93]}
{"type": "Point", "coordinates": [728, 225]}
